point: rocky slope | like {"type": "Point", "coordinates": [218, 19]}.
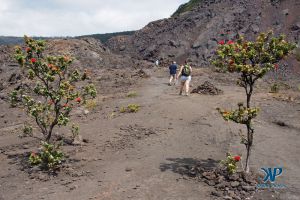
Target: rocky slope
{"type": "Point", "coordinates": [107, 69]}
{"type": "Point", "coordinates": [194, 34]}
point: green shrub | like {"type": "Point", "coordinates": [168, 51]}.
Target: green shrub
{"type": "Point", "coordinates": [54, 95]}
{"type": "Point", "coordinates": [230, 163]}
{"type": "Point", "coordinates": [131, 108]}
{"type": "Point", "coordinates": [49, 158]}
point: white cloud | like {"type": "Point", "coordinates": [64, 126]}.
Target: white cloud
{"type": "Point", "coordinates": [78, 17]}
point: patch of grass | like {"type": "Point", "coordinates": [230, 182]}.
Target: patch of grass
{"type": "Point", "coordinates": [131, 108]}
{"type": "Point", "coordinates": [274, 88]}
{"type": "Point", "coordinates": [27, 130]}
{"type": "Point", "coordinates": [90, 104]}
{"type": "Point", "coordinates": [123, 109]}
{"type": "Point", "coordinates": [132, 94]}
{"type": "Point", "coordinates": [186, 7]}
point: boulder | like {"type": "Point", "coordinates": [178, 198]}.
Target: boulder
{"type": "Point", "coordinates": [207, 88]}
{"type": "Point", "coordinates": [211, 44]}
{"type": "Point", "coordinates": [255, 28]}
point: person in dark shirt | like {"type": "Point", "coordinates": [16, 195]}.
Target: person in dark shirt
{"type": "Point", "coordinates": [173, 70]}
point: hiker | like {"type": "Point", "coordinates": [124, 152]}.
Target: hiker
{"type": "Point", "coordinates": [185, 72]}
{"type": "Point", "coordinates": [157, 63]}
{"type": "Point", "coordinates": [173, 70]}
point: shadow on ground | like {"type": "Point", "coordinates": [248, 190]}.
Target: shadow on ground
{"type": "Point", "coordinates": [184, 166]}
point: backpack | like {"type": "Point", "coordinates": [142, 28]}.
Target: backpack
{"type": "Point", "coordinates": [186, 71]}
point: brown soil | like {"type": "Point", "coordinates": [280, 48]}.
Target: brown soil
{"type": "Point", "coordinates": [144, 155]}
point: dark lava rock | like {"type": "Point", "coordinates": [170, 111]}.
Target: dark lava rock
{"type": "Point", "coordinates": [248, 188]}
{"type": "Point", "coordinates": [207, 88]}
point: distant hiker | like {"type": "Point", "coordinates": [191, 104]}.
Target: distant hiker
{"type": "Point", "coordinates": [185, 71]}
{"type": "Point", "coordinates": [157, 63]}
{"type": "Point", "coordinates": [173, 70]}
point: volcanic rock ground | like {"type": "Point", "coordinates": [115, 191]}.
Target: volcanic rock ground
{"type": "Point", "coordinates": [142, 155]}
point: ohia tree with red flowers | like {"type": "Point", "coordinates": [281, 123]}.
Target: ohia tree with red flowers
{"type": "Point", "coordinates": [55, 94]}
{"type": "Point", "coordinates": [252, 60]}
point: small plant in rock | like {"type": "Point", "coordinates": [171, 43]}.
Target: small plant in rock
{"type": "Point", "coordinates": [75, 131]}
{"type": "Point", "coordinates": [123, 109]}
{"type": "Point", "coordinates": [113, 114]}
{"type": "Point", "coordinates": [55, 94]}
{"type": "Point", "coordinates": [27, 130]}
{"type": "Point", "coordinates": [90, 104]}
{"type": "Point", "coordinates": [230, 163]}
{"type": "Point", "coordinates": [131, 108]}
{"type": "Point", "coordinates": [132, 94]}
{"type": "Point", "coordinates": [49, 158]}
{"type": "Point", "coordinates": [274, 88]}
{"type": "Point", "coordinates": [252, 60]}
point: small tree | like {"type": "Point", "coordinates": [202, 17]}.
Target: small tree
{"type": "Point", "coordinates": [55, 94]}
{"type": "Point", "coordinates": [252, 60]}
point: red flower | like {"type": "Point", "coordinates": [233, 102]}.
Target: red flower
{"type": "Point", "coordinates": [66, 105]}
{"type": "Point", "coordinates": [78, 99]}
{"type": "Point", "coordinates": [230, 42]}
{"type": "Point", "coordinates": [28, 49]}
{"type": "Point", "coordinates": [237, 158]}
{"type": "Point", "coordinates": [221, 42]}
{"type": "Point", "coordinates": [33, 60]}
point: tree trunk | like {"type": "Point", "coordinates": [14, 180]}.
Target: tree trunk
{"type": "Point", "coordinates": [249, 94]}
{"type": "Point", "coordinates": [247, 168]}
{"type": "Point", "coordinates": [250, 132]}
{"type": "Point", "coordinates": [48, 136]}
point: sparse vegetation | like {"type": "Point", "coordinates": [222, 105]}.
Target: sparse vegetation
{"type": "Point", "coordinates": [132, 94]}
{"type": "Point", "coordinates": [106, 36]}
{"type": "Point", "coordinates": [27, 130]}
{"type": "Point", "coordinates": [252, 60]}
{"type": "Point", "coordinates": [274, 88]}
{"type": "Point", "coordinates": [75, 131]}
{"type": "Point", "coordinates": [90, 104]}
{"type": "Point", "coordinates": [131, 108]}
{"type": "Point", "coordinates": [186, 7]}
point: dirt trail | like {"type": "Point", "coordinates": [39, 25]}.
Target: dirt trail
{"type": "Point", "coordinates": [145, 155]}
{"type": "Point", "coordinates": [184, 137]}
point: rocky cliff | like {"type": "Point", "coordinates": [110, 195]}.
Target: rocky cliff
{"type": "Point", "coordinates": [194, 34]}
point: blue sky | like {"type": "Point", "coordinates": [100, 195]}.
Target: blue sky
{"type": "Point", "coordinates": [79, 17]}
